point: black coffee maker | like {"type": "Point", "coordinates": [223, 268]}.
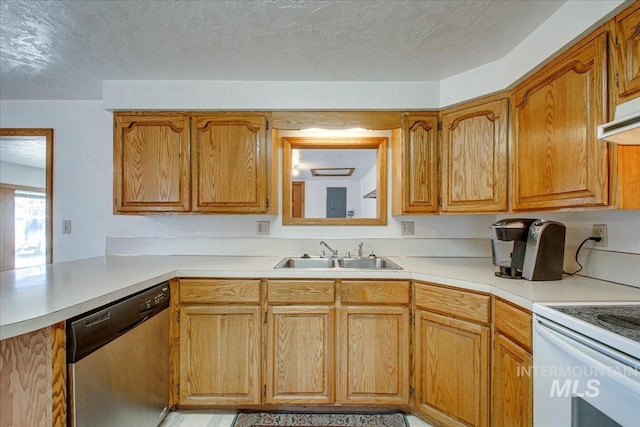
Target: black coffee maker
{"type": "Point", "coordinates": [508, 245]}
{"type": "Point", "coordinates": [531, 249]}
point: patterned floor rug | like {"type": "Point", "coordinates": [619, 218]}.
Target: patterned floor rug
{"type": "Point", "coordinates": [288, 419]}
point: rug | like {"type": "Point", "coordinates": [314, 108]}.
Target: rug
{"type": "Point", "coordinates": [296, 419]}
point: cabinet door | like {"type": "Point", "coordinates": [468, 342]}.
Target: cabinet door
{"type": "Point", "coordinates": [627, 42]}
{"type": "Point", "coordinates": [219, 355]}
{"type": "Point", "coordinates": [512, 390]}
{"type": "Point", "coordinates": [419, 163]}
{"type": "Point", "coordinates": [558, 161]}
{"type": "Point", "coordinates": [451, 369]}
{"type": "Point", "coordinates": [474, 158]}
{"type": "Point", "coordinates": [229, 167]}
{"type": "Point", "coordinates": [300, 354]}
{"type": "Point", "coordinates": [151, 163]}
{"type": "Point", "coordinates": [374, 355]}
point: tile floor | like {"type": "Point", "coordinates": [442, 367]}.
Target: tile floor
{"type": "Point", "coordinates": [224, 419]}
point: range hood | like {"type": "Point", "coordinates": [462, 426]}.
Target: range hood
{"type": "Point", "coordinates": [625, 129]}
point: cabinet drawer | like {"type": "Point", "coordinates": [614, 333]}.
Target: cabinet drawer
{"type": "Point", "coordinates": [514, 322]}
{"type": "Point", "coordinates": [300, 292]}
{"type": "Point", "coordinates": [459, 304]}
{"type": "Point", "coordinates": [378, 292]}
{"type": "Point", "coordinates": [219, 291]}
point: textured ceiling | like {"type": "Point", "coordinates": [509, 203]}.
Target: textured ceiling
{"type": "Point", "coordinates": [65, 49]}
{"type": "Point", "coordinates": [24, 150]}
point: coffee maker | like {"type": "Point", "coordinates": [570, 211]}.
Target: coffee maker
{"type": "Point", "coordinates": [508, 244]}
{"type": "Point", "coordinates": [532, 249]}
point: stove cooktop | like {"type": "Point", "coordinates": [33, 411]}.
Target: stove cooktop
{"type": "Point", "coordinates": [623, 320]}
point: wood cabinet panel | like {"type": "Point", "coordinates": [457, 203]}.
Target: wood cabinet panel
{"type": "Point", "coordinates": [229, 166]}
{"type": "Point", "coordinates": [417, 156]}
{"type": "Point", "coordinates": [33, 378]}
{"type": "Point", "coordinates": [451, 369]}
{"type": "Point", "coordinates": [557, 161]}
{"type": "Point", "coordinates": [219, 354]}
{"type": "Point", "coordinates": [512, 389]}
{"type": "Point", "coordinates": [374, 355]}
{"type": "Point", "coordinates": [474, 158]}
{"type": "Point", "coordinates": [374, 292]}
{"type": "Point", "coordinates": [626, 186]}
{"type": "Point", "coordinates": [453, 302]}
{"type": "Point", "coordinates": [513, 322]}
{"type": "Point", "coordinates": [151, 163]}
{"type": "Point", "coordinates": [301, 292]}
{"type": "Point", "coordinates": [300, 354]}
{"type": "Point", "coordinates": [627, 43]}
{"type": "Point", "coordinates": [216, 291]}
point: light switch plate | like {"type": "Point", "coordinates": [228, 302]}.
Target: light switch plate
{"type": "Point", "coordinates": [66, 226]}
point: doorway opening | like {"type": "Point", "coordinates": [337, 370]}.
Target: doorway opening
{"type": "Point", "coordinates": [26, 187]}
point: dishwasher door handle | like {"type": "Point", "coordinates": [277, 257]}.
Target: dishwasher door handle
{"type": "Point", "coordinates": [133, 325]}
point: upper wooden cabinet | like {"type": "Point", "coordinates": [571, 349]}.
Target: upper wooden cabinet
{"type": "Point", "coordinates": [557, 160]}
{"type": "Point", "coordinates": [197, 162]}
{"type": "Point", "coordinates": [627, 58]}
{"type": "Point", "coordinates": [229, 164]}
{"type": "Point", "coordinates": [474, 157]}
{"type": "Point", "coordinates": [415, 188]}
{"type": "Point", "coordinates": [151, 163]}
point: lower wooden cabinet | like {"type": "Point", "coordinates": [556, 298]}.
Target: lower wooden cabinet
{"type": "Point", "coordinates": [219, 355]}
{"type": "Point", "coordinates": [512, 391]}
{"type": "Point", "coordinates": [374, 355]}
{"type": "Point", "coordinates": [251, 342]}
{"type": "Point", "coordinates": [371, 320]}
{"type": "Point", "coordinates": [451, 355]}
{"type": "Point", "coordinates": [300, 354]}
{"type": "Point", "coordinates": [220, 342]}
{"type": "Point", "coordinates": [512, 397]}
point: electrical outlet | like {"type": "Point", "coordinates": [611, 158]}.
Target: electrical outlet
{"type": "Point", "coordinates": [600, 230]}
{"type": "Point", "coordinates": [407, 228]}
{"type": "Point", "coordinates": [263, 228]}
{"type": "Point", "coordinates": [66, 226]}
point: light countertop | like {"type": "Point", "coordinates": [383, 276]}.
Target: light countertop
{"type": "Point", "coordinates": [36, 297]}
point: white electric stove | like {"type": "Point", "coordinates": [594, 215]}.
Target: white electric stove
{"type": "Point", "coordinates": [586, 365]}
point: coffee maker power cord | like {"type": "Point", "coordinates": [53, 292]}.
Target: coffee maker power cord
{"type": "Point", "coordinates": [595, 239]}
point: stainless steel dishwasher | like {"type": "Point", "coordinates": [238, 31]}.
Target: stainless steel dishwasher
{"type": "Point", "coordinates": [118, 359]}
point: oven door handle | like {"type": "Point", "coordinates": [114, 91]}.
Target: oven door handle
{"type": "Point", "coordinates": [589, 355]}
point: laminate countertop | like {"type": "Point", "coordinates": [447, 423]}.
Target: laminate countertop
{"type": "Point", "coordinates": [36, 297]}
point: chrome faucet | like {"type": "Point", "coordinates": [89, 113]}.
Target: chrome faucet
{"type": "Point", "coordinates": [333, 252]}
{"type": "Point", "coordinates": [360, 249]}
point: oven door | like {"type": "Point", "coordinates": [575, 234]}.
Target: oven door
{"type": "Point", "coordinates": [581, 382]}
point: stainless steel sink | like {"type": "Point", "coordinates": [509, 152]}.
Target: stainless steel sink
{"type": "Point", "coordinates": [377, 263]}
{"type": "Point", "coordinates": [299, 262]}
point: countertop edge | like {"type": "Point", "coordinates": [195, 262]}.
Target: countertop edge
{"type": "Point", "coordinates": [446, 275]}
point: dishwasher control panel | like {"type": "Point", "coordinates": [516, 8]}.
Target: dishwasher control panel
{"type": "Point", "coordinates": [94, 329]}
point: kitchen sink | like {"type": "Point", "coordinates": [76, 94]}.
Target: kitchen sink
{"type": "Point", "coordinates": [303, 262]}
{"type": "Point", "coordinates": [378, 263]}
